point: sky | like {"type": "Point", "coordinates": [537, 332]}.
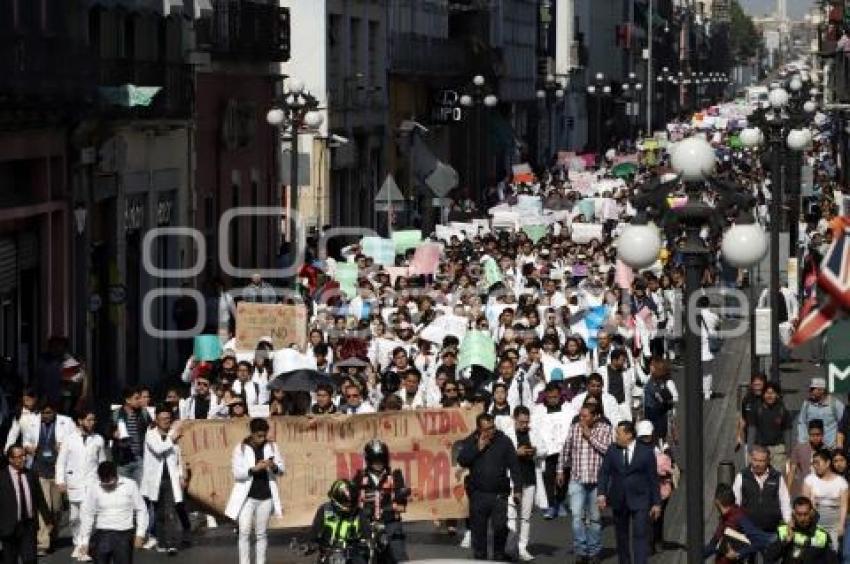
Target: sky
{"type": "Point", "coordinates": [796, 8]}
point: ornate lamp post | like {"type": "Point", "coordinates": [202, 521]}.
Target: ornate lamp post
{"type": "Point", "coordinates": [743, 244]}
{"type": "Point", "coordinates": [479, 97]}
{"type": "Point", "coordinates": [296, 110]}
{"type": "Point", "coordinates": [632, 90]}
{"type": "Point", "coordinates": [599, 90]}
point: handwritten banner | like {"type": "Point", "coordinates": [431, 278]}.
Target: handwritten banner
{"type": "Point", "coordinates": [423, 444]}
{"type": "Point", "coordinates": [285, 324]}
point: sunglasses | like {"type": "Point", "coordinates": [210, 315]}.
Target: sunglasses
{"type": "Point", "coordinates": [352, 396]}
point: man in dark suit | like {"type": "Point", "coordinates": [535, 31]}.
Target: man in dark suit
{"type": "Point", "coordinates": [20, 498]}
{"type": "Point", "coordinates": [628, 483]}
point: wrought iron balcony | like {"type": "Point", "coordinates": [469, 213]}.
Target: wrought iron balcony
{"type": "Point", "coordinates": [427, 56]}
{"type": "Point", "coordinates": [245, 30]}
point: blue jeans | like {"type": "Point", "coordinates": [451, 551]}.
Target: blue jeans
{"type": "Point", "coordinates": [587, 533]}
{"type": "Point", "coordinates": [845, 550]}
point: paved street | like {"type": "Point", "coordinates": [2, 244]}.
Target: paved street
{"type": "Point", "coordinates": [551, 540]}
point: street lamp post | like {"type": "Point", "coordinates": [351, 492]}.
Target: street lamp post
{"type": "Point", "coordinates": [743, 244]}
{"type": "Point", "coordinates": [478, 97]}
{"type": "Point", "coordinates": [784, 129]}
{"type": "Point", "coordinates": [550, 95]}
{"type": "Point", "coordinates": [631, 91]}
{"type": "Point", "coordinates": [598, 90]}
{"type": "Point", "coordinates": [297, 110]}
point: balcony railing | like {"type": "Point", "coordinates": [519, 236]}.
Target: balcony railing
{"type": "Point", "coordinates": [173, 101]}
{"type": "Point", "coordinates": [245, 30]}
{"type": "Point", "coordinates": [36, 68]}
{"type": "Point", "coordinates": [427, 56]}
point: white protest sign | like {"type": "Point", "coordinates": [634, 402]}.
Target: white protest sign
{"type": "Point", "coordinates": [583, 233]}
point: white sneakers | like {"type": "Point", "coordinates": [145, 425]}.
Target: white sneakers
{"type": "Point", "coordinates": [524, 556]}
{"type": "Point", "coordinates": [150, 544]}
{"type": "Point", "coordinates": [79, 554]}
{"type": "Point", "coordinates": [466, 542]}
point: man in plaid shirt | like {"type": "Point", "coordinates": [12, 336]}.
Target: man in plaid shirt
{"type": "Point", "coordinates": [584, 449]}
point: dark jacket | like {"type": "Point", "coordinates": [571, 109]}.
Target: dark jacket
{"type": "Point", "coordinates": [391, 490]}
{"type": "Point", "coordinates": [489, 468]}
{"type": "Point", "coordinates": [9, 501]}
{"type": "Point", "coordinates": [762, 504]}
{"type": "Point", "coordinates": [737, 520]}
{"type": "Point", "coordinates": [634, 487]}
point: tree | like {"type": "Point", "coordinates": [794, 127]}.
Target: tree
{"type": "Point", "coordinates": [744, 38]}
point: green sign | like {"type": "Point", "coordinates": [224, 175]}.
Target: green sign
{"type": "Point", "coordinates": [405, 240]}
{"type": "Point", "coordinates": [477, 349]}
{"type": "Point", "coordinates": [346, 275]}
{"type": "Point", "coordinates": [837, 357]}
{"type": "Point", "coordinates": [535, 232]}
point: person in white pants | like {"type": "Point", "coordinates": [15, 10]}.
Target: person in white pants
{"type": "Point", "coordinates": [709, 326]}
{"type": "Point", "coordinates": [256, 466]}
{"type": "Point", "coordinates": [531, 448]}
{"type": "Point", "coordinates": [76, 468]}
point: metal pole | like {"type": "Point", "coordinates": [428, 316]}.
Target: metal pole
{"type": "Point", "coordinates": [599, 123]}
{"type": "Point", "coordinates": [754, 289]}
{"type": "Point", "coordinates": [775, 224]}
{"type": "Point", "coordinates": [293, 170]}
{"type": "Point", "coordinates": [693, 396]}
{"type": "Point", "coordinates": [649, 76]}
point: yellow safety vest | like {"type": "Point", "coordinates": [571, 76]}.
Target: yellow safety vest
{"type": "Point", "coordinates": [817, 540]}
{"type": "Point", "coordinates": [340, 530]}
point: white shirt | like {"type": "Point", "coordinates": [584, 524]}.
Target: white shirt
{"type": "Point", "coordinates": [784, 496]}
{"type": "Point", "coordinates": [631, 450]}
{"type": "Point", "coordinates": [113, 510]}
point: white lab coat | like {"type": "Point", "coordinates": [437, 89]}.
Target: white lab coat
{"type": "Point", "coordinates": [540, 455]}
{"type": "Point", "coordinates": [158, 452]}
{"type": "Point", "coordinates": [628, 389]}
{"type": "Point", "coordinates": [554, 427]}
{"type": "Point", "coordinates": [76, 465]}
{"type": "Point", "coordinates": [610, 407]}
{"type": "Point", "coordinates": [187, 407]}
{"type": "Point", "coordinates": [420, 400]}
{"type": "Point", "coordinates": [243, 460]}
{"type": "Point", "coordinates": [30, 426]}
{"type": "Point", "coordinates": [253, 392]}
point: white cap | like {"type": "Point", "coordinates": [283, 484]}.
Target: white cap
{"type": "Point", "coordinates": [644, 428]}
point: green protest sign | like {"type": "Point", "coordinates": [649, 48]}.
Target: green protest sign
{"type": "Point", "coordinates": [405, 240]}
{"type": "Point", "coordinates": [535, 232]}
{"type": "Point", "coordinates": [477, 349]}
{"type": "Point", "coordinates": [492, 273]}
{"type": "Point", "coordinates": [346, 276]}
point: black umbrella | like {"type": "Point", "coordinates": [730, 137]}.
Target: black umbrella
{"type": "Point", "coordinates": [352, 362]}
{"type": "Point", "coordinates": [302, 380]}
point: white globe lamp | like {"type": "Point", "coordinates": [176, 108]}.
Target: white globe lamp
{"type": "Point", "coordinates": [744, 245]}
{"type": "Point", "coordinates": [778, 98]}
{"type": "Point", "coordinates": [797, 140]}
{"type": "Point", "coordinates": [314, 120]}
{"type": "Point", "coordinates": [810, 107]}
{"type": "Point", "coordinates": [694, 159]}
{"type": "Point", "coordinates": [638, 245]}
{"type": "Point", "coordinates": [490, 100]}
{"type": "Point", "coordinates": [295, 85]}
{"type": "Point", "coordinates": [478, 80]}
{"type": "Point", "coordinates": [466, 100]}
{"type": "Point", "coordinates": [275, 117]}
{"type": "Point", "coordinates": [750, 137]}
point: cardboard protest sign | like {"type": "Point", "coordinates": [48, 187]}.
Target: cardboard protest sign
{"type": "Point", "coordinates": [426, 259]}
{"type": "Point", "coordinates": [405, 240]}
{"type": "Point", "coordinates": [584, 232]}
{"type": "Point", "coordinates": [477, 349]}
{"type": "Point", "coordinates": [285, 324]}
{"type": "Point", "coordinates": [423, 444]}
{"type": "Point", "coordinates": [381, 250]}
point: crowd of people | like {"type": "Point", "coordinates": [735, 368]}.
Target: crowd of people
{"type": "Point", "coordinates": [577, 405]}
